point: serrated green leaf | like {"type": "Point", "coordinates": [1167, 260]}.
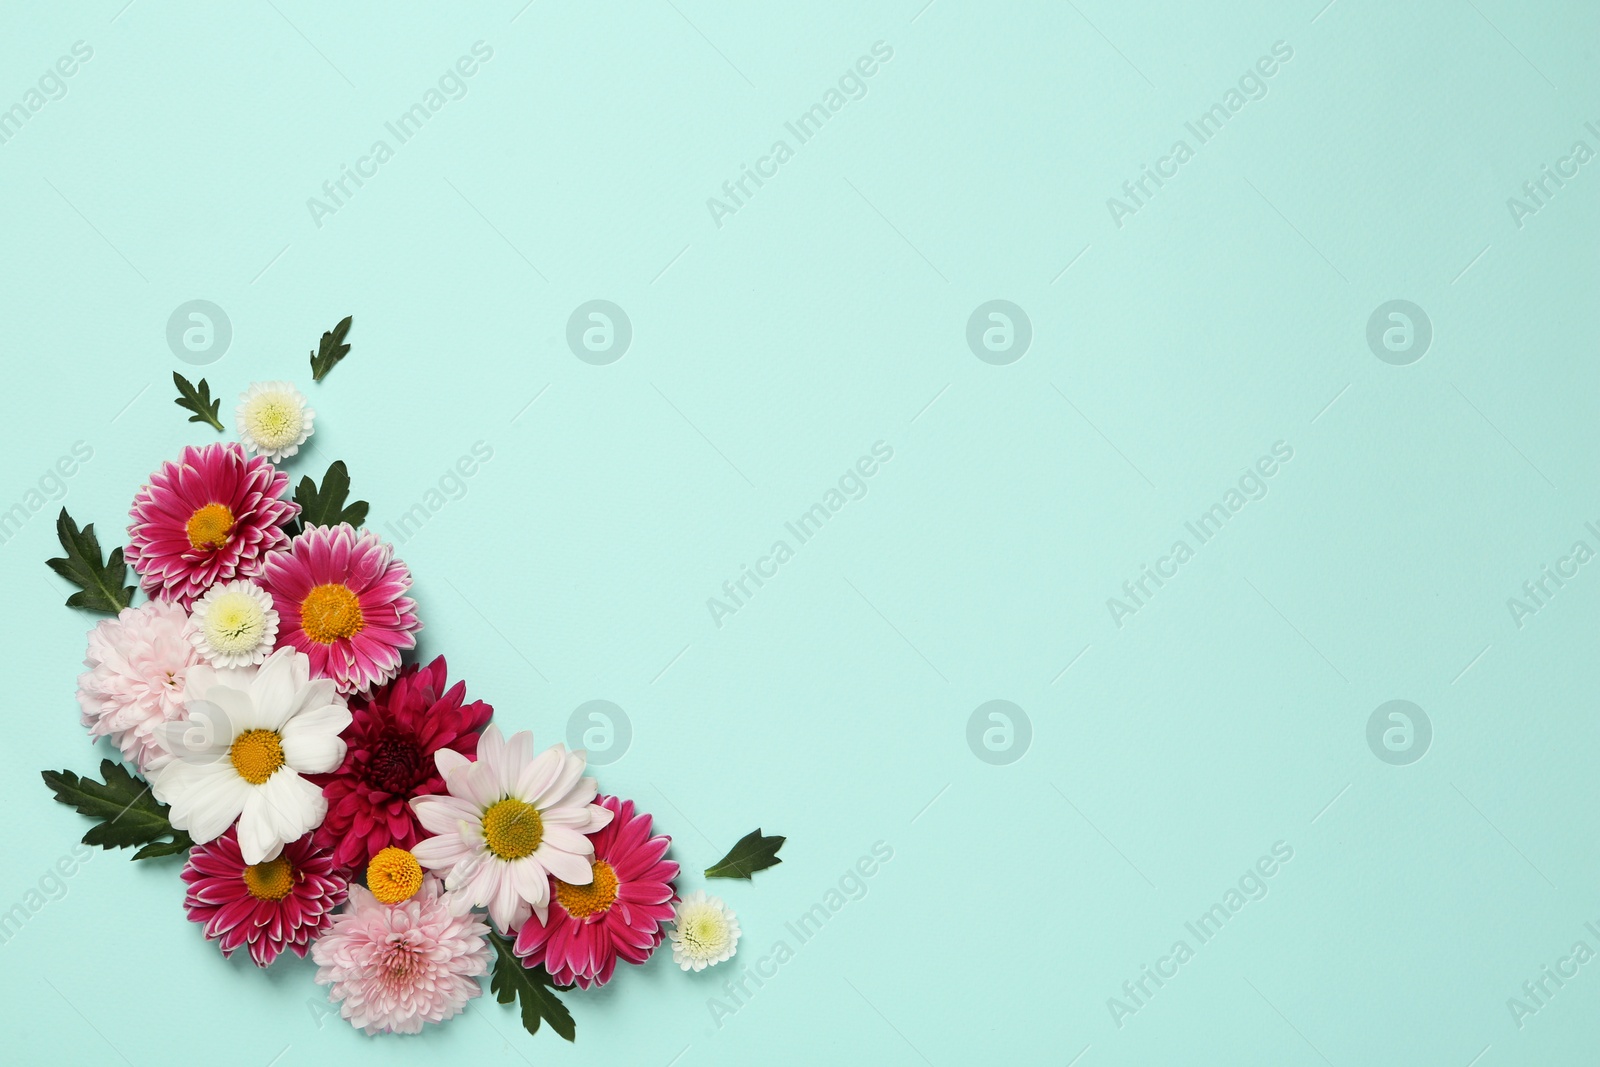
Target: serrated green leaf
{"type": "Point", "coordinates": [197, 399]}
{"type": "Point", "coordinates": [325, 505]}
{"type": "Point", "coordinates": [532, 986]}
{"type": "Point", "coordinates": [101, 583]}
{"type": "Point", "coordinates": [331, 349]}
{"type": "Point", "coordinates": [128, 813]}
{"type": "Point", "coordinates": [753, 853]}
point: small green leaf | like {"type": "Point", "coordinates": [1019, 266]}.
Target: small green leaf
{"type": "Point", "coordinates": [533, 986]}
{"type": "Point", "coordinates": [753, 853]}
{"type": "Point", "coordinates": [101, 583]}
{"type": "Point", "coordinates": [331, 350]}
{"type": "Point", "coordinates": [325, 506]}
{"type": "Point", "coordinates": [197, 399]}
{"type": "Point", "coordinates": [128, 813]}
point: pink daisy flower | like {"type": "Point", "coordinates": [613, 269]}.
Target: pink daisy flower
{"type": "Point", "coordinates": [391, 968]}
{"type": "Point", "coordinates": [389, 759]}
{"type": "Point", "coordinates": [282, 903]}
{"type": "Point", "coordinates": [138, 667]}
{"type": "Point", "coordinates": [340, 598]}
{"type": "Point", "coordinates": [618, 914]}
{"type": "Point", "coordinates": [207, 518]}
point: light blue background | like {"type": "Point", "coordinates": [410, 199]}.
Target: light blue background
{"type": "Point", "coordinates": [769, 354]}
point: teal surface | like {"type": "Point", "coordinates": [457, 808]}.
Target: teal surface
{"type": "Point", "coordinates": [1197, 348]}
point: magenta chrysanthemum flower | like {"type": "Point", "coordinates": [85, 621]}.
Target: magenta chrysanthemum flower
{"type": "Point", "coordinates": [340, 598]}
{"type": "Point", "coordinates": [389, 759]}
{"type": "Point", "coordinates": [138, 666]}
{"type": "Point", "coordinates": [618, 914]}
{"type": "Point", "coordinates": [207, 518]}
{"type": "Point", "coordinates": [281, 904]}
{"type": "Point", "coordinates": [391, 968]}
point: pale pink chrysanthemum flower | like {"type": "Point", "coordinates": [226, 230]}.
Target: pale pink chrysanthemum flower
{"type": "Point", "coordinates": [393, 967]}
{"type": "Point", "coordinates": [138, 665]}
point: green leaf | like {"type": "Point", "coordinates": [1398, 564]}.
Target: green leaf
{"type": "Point", "coordinates": [128, 813]}
{"type": "Point", "coordinates": [325, 506]}
{"type": "Point", "coordinates": [331, 350]}
{"type": "Point", "coordinates": [753, 853]}
{"type": "Point", "coordinates": [101, 583]}
{"type": "Point", "coordinates": [197, 400]}
{"type": "Point", "coordinates": [533, 986]}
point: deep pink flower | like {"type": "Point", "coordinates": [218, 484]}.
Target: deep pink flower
{"type": "Point", "coordinates": [619, 914]}
{"type": "Point", "coordinates": [389, 759]}
{"type": "Point", "coordinates": [340, 598]}
{"type": "Point", "coordinates": [210, 517]}
{"type": "Point", "coordinates": [282, 903]}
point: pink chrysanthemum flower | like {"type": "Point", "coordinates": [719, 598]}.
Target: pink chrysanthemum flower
{"type": "Point", "coordinates": [281, 904]}
{"type": "Point", "coordinates": [389, 759]}
{"type": "Point", "coordinates": [620, 913]}
{"type": "Point", "coordinates": [340, 598]}
{"type": "Point", "coordinates": [210, 517]}
{"type": "Point", "coordinates": [138, 663]}
{"type": "Point", "coordinates": [391, 968]}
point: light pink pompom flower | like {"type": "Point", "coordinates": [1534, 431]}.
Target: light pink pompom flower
{"type": "Point", "coordinates": [393, 967]}
{"type": "Point", "coordinates": [340, 598]}
{"type": "Point", "coordinates": [138, 663]}
{"type": "Point", "coordinates": [210, 517]}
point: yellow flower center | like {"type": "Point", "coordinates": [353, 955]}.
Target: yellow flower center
{"type": "Point", "coordinates": [257, 755]}
{"type": "Point", "coordinates": [330, 612]}
{"type": "Point", "coordinates": [582, 901]}
{"type": "Point", "coordinates": [271, 880]}
{"type": "Point", "coordinates": [394, 875]}
{"type": "Point", "coordinates": [512, 829]}
{"type": "Point", "coordinates": [210, 527]}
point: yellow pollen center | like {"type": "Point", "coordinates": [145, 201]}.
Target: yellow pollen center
{"type": "Point", "coordinates": [271, 880]}
{"type": "Point", "coordinates": [512, 829]}
{"type": "Point", "coordinates": [394, 875]}
{"type": "Point", "coordinates": [257, 755]}
{"type": "Point", "coordinates": [210, 527]}
{"type": "Point", "coordinates": [582, 901]}
{"type": "Point", "coordinates": [330, 612]}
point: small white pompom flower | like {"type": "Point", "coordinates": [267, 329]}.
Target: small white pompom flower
{"type": "Point", "coordinates": [706, 932]}
{"type": "Point", "coordinates": [234, 624]}
{"type": "Point", "coordinates": [273, 419]}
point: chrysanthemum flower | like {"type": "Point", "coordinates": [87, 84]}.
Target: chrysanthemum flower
{"type": "Point", "coordinates": [273, 419]}
{"type": "Point", "coordinates": [391, 968]}
{"type": "Point", "coordinates": [239, 753]}
{"type": "Point", "coordinates": [707, 932]}
{"type": "Point", "coordinates": [389, 759]}
{"type": "Point", "coordinates": [341, 600]}
{"type": "Point", "coordinates": [394, 876]}
{"type": "Point", "coordinates": [282, 903]}
{"type": "Point", "coordinates": [138, 663]}
{"type": "Point", "coordinates": [511, 821]}
{"type": "Point", "coordinates": [235, 624]}
{"type": "Point", "coordinates": [208, 518]}
{"type": "Point", "coordinates": [620, 912]}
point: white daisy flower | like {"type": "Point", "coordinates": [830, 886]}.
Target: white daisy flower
{"type": "Point", "coordinates": [511, 821]}
{"type": "Point", "coordinates": [273, 419]}
{"type": "Point", "coordinates": [706, 932]}
{"type": "Point", "coordinates": [234, 624]}
{"type": "Point", "coordinates": [248, 736]}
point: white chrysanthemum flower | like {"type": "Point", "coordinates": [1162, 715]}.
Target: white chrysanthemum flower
{"type": "Point", "coordinates": [273, 419]}
{"type": "Point", "coordinates": [234, 624]}
{"type": "Point", "coordinates": [511, 821]}
{"type": "Point", "coordinates": [706, 932]}
{"type": "Point", "coordinates": [241, 752]}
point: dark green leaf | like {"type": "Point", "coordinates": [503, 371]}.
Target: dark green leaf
{"type": "Point", "coordinates": [331, 350]}
{"type": "Point", "coordinates": [101, 583]}
{"type": "Point", "coordinates": [128, 813]}
{"type": "Point", "coordinates": [197, 399]}
{"type": "Point", "coordinates": [753, 853]}
{"type": "Point", "coordinates": [533, 986]}
{"type": "Point", "coordinates": [325, 506]}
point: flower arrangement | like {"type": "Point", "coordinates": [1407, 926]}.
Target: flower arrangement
{"type": "Point", "coordinates": [329, 796]}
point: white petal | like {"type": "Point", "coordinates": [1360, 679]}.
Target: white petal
{"type": "Point", "coordinates": [442, 852]}
{"type": "Point", "coordinates": [574, 870]}
{"type": "Point", "coordinates": [441, 814]}
{"type": "Point", "coordinates": [567, 775]}
{"type": "Point", "coordinates": [447, 760]}
{"type": "Point", "coordinates": [518, 754]}
{"type": "Point", "coordinates": [532, 880]}
{"type": "Point", "coordinates": [311, 741]}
